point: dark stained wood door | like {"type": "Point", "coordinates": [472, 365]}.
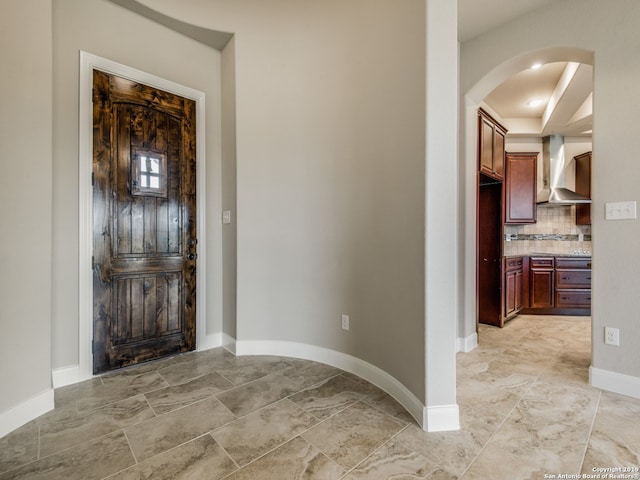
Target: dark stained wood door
{"type": "Point", "coordinates": [144, 229]}
{"type": "Point", "coordinates": [489, 245]}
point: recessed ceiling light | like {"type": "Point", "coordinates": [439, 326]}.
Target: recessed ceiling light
{"type": "Point", "coordinates": [535, 102]}
{"type": "Point", "coordinates": [536, 66]}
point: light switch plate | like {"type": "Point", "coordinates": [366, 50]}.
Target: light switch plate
{"type": "Point", "coordinates": [345, 322]}
{"type": "Point", "coordinates": [620, 210]}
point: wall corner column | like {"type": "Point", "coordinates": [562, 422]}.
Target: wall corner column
{"type": "Point", "coordinates": [441, 210]}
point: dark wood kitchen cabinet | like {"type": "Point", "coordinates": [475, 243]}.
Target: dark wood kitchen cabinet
{"type": "Point", "coordinates": [583, 187]}
{"type": "Point", "coordinates": [541, 282]}
{"type": "Point", "coordinates": [573, 282]}
{"type": "Point", "coordinates": [490, 251]}
{"type": "Point", "coordinates": [520, 183]}
{"type": "Point", "coordinates": [559, 285]}
{"type": "Point", "coordinates": [491, 137]}
{"type": "Point", "coordinates": [513, 286]}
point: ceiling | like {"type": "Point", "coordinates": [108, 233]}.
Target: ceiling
{"type": "Point", "coordinates": [564, 89]}
{"type": "Point", "coordinates": [476, 17]}
{"type": "Point", "coordinates": [567, 114]}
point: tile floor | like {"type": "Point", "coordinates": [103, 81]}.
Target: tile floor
{"type": "Point", "coordinates": [526, 412]}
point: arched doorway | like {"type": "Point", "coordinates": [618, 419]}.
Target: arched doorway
{"type": "Point", "coordinates": [472, 99]}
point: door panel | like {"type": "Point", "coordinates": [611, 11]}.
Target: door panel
{"type": "Point", "coordinates": [144, 223]}
{"type": "Point", "coordinates": [489, 233]}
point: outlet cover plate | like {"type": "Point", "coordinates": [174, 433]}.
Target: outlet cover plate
{"type": "Point", "coordinates": [612, 336]}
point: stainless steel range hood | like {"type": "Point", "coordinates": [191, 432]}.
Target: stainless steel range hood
{"type": "Point", "coordinates": [554, 191]}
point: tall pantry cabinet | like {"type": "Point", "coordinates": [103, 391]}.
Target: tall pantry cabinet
{"type": "Point", "coordinates": [490, 230]}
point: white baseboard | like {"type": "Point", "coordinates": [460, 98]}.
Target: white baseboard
{"type": "Point", "coordinates": [207, 342]}
{"type": "Point", "coordinates": [229, 343]}
{"type": "Point", "coordinates": [615, 382]}
{"type": "Point", "coordinates": [339, 360]}
{"type": "Point", "coordinates": [467, 344]}
{"type": "Point", "coordinates": [25, 412]}
{"type": "Point", "coordinates": [441, 418]}
{"type": "Point", "coordinates": [64, 376]}
{"type": "Point", "coordinates": [69, 375]}
{"type": "Point", "coordinates": [432, 418]}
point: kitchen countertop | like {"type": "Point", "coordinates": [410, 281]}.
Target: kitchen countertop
{"type": "Point", "coordinates": [541, 254]}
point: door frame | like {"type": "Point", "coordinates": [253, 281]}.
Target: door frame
{"type": "Point", "coordinates": [88, 63]}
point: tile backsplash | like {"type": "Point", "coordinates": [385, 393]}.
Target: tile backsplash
{"type": "Point", "coordinates": [555, 232]}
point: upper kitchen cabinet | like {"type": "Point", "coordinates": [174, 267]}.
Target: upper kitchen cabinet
{"type": "Point", "coordinates": [490, 146]}
{"type": "Point", "coordinates": [520, 188]}
{"type": "Point", "coordinates": [583, 187]}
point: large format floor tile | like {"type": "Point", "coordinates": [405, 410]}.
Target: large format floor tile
{"type": "Point", "coordinates": [88, 461]}
{"type": "Point", "coordinates": [296, 459]}
{"type": "Point", "coordinates": [19, 447]}
{"type": "Point", "coordinates": [615, 439]}
{"type": "Point", "coordinates": [94, 424]}
{"type": "Point", "coordinates": [526, 411]}
{"type": "Point", "coordinates": [395, 461]}
{"type": "Point", "coordinates": [199, 458]}
{"type": "Point", "coordinates": [250, 437]}
{"type": "Point", "coordinates": [257, 394]}
{"type": "Point", "coordinates": [331, 396]}
{"type": "Point", "coordinates": [167, 431]}
{"type": "Point", "coordinates": [351, 435]}
{"type": "Point", "coordinates": [183, 394]}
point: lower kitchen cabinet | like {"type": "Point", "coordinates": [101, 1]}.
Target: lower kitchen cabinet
{"type": "Point", "coordinates": [573, 282]}
{"type": "Point", "coordinates": [513, 286]}
{"type": "Point", "coordinates": [559, 285]}
{"type": "Point", "coordinates": [541, 285]}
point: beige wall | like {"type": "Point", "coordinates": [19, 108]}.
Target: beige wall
{"type": "Point", "coordinates": [331, 163]}
{"type": "Point", "coordinates": [112, 32]}
{"type": "Point", "coordinates": [229, 231]}
{"type": "Point", "coordinates": [25, 194]}
{"type": "Point", "coordinates": [330, 173]}
{"type": "Point", "coordinates": [609, 30]}
{"type": "Point", "coordinates": [331, 151]}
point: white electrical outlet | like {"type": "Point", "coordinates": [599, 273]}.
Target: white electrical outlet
{"type": "Point", "coordinates": [612, 336]}
{"type": "Point", "coordinates": [345, 322]}
{"type": "Point", "coordinates": [226, 216]}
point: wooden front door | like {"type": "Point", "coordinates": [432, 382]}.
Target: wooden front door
{"type": "Point", "coordinates": [144, 230]}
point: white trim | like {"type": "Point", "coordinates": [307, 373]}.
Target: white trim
{"type": "Point", "coordinates": [229, 343]}
{"type": "Point", "coordinates": [69, 375]}
{"type": "Point", "coordinates": [340, 360]}
{"type": "Point", "coordinates": [465, 345]}
{"type": "Point", "coordinates": [441, 418]}
{"type": "Point", "coordinates": [65, 376]}
{"type": "Point", "coordinates": [88, 63]}
{"type": "Point", "coordinates": [207, 342]}
{"type": "Point", "coordinates": [26, 411]}
{"type": "Point", "coordinates": [615, 382]}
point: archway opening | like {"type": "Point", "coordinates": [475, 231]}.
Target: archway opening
{"type": "Point", "coordinates": [473, 99]}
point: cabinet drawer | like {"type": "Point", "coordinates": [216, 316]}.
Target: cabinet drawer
{"type": "Point", "coordinates": [573, 262]}
{"type": "Point", "coordinates": [573, 278]}
{"type": "Point", "coordinates": [542, 262]}
{"type": "Point", "coordinates": [513, 263]}
{"type": "Point", "coordinates": [573, 298]}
